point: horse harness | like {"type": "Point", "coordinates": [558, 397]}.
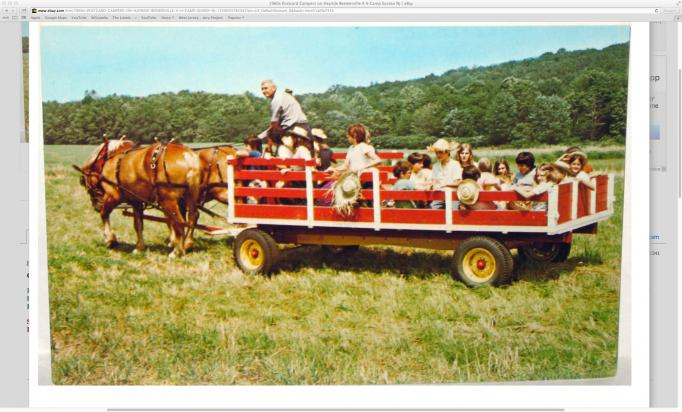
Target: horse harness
{"type": "Point", "coordinates": [158, 155]}
{"type": "Point", "coordinates": [204, 178]}
{"type": "Point", "coordinates": [214, 163]}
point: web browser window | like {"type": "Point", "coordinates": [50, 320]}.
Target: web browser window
{"type": "Point", "coordinates": [340, 205]}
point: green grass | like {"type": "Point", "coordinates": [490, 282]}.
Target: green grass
{"type": "Point", "coordinates": [385, 315]}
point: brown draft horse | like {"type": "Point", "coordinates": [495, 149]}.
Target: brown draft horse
{"type": "Point", "coordinates": [214, 172]}
{"type": "Point", "coordinates": [162, 175]}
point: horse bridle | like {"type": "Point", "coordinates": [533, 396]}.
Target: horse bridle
{"type": "Point", "coordinates": [97, 187]}
{"type": "Point", "coordinates": [92, 189]}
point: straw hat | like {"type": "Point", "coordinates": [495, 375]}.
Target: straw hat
{"type": "Point", "coordinates": [299, 131]}
{"type": "Point", "coordinates": [442, 145]}
{"type": "Point", "coordinates": [577, 153]}
{"type": "Point", "coordinates": [346, 193]}
{"type": "Point", "coordinates": [467, 192]}
{"type": "Point", "coordinates": [319, 133]}
{"type": "Point", "coordinates": [563, 164]}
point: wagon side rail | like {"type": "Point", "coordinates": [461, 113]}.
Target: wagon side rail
{"type": "Point", "coordinates": [573, 205]}
{"type": "Point", "coordinates": [569, 205]}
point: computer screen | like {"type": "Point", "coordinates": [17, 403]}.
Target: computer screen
{"type": "Point", "coordinates": [315, 205]}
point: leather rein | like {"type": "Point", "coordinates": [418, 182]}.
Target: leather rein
{"type": "Point", "coordinates": [214, 163]}
{"type": "Point", "coordinates": [158, 154]}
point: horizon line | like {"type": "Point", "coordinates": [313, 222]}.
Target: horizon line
{"type": "Point", "coordinates": [371, 84]}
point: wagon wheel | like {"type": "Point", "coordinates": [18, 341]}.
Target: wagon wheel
{"type": "Point", "coordinates": [545, 252]}
{"type": "Point", "coordinates": [255, 252]}
{"type": "Point", "coordinates": [481, 261]}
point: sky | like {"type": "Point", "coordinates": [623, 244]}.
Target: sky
{"type": "Point", "coordinates": [139, 61]}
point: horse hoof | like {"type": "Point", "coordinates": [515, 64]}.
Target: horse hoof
{"type": "Point", "coordinates": [112, 244]}
{"type": "Point", "coordinates": [138, 251]}
{"type": "Point", "coordinates": [188, 245]}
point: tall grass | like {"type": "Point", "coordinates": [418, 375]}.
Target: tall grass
{"type": "Point", "coordinates": [383, 315]}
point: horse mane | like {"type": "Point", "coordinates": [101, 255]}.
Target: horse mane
{"type": "Point", "coordinates": [113, 146]}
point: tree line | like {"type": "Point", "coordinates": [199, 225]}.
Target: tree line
{"type": "Point", "coordinates": [558, 98]}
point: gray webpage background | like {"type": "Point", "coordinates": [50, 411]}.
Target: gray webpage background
{"type": "Point", "coordinates": [665, 163]}
{"type": "Point", "coordinates": [14, 238]}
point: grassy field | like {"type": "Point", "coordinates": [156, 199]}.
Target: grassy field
{"type": "Point", "coordinates": [386, 315]}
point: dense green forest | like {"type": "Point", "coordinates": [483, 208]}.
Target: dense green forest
{"type": "Point", "coordinates": [556, 98]}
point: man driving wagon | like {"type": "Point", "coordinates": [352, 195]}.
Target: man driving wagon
{"type": "Point", "coordinates": [286, 115]}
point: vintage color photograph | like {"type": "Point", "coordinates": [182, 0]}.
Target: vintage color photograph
{"type": "Point", "coordinates": [333, 205]}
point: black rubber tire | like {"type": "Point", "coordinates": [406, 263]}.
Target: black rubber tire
{"type": "Point", "coordinates": [489, 248]}
{"type": "Point", "coordinates": [545, 252]}
{"type": "Point", "coordinates": [341, 250]}
{"type": "Point", "coordinates": [264, 244]}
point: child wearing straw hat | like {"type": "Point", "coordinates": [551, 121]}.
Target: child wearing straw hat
{"type": "Point", "coordinates": [563, 161]}
{"type": "Point", "coordinates": [573, 164]}
{"type": "Point", "coordinates": [472, 174]}
{"type": "Point", "coordinates": [445, 172]}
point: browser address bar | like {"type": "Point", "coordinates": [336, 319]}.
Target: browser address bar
{"type": "Point", "coordinates": [362, 10]}
{"type": "Point", "coordinates": [490, 10]}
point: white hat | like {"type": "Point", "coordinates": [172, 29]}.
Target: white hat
{"type": "Point", "coordinates": [442, 145]}
{"type": "Point", "coordinates": [467, 192]}
{"type": "Point", "coordinates": [319, 133]}
{"type": "Point", "coordinates": [299, 131]}
{"type": "Point", "coordinates": [348, 187]}
{"type": "Point", "coordinates": [346, 192]}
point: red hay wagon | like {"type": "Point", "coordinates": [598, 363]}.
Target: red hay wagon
{"type": "Point", "coordinates": [481, 239]}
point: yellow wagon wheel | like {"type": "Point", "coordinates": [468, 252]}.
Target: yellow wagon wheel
{"type": "Point", "coordinates": [255, 252]}
{"type": "Point", "coordinates": [479, 264]}
{"type": "Point", "coordinates": [251, 254]}
{"type": "Point", "coordinates": [481, 260]}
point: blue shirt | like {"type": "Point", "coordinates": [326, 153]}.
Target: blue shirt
{"type": "Point", "coordinates": [404, 184]}
{"type": "Point", "coordinates": [524, 180]}
{"type": "Point", "coordinates": [254, 154]}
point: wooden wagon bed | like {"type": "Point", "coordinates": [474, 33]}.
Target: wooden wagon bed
{"type": "Point", "coordinates": [570, 205]}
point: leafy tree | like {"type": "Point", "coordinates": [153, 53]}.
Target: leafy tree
{"type": "Point", "coordinates": [501, 118]}
{"type": "Point", "coordinates": [426, 120]}
{"type": "Point", "coordinates": [515, 102]}
{"type": "Point", "coordinates": [524, 92]}
{"type": "Point", "coordinates": [457, 123]}
{"type": "Point", "coordinates": [591, 103]}
{"type": "Point", "coordinates": [549, 120]}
